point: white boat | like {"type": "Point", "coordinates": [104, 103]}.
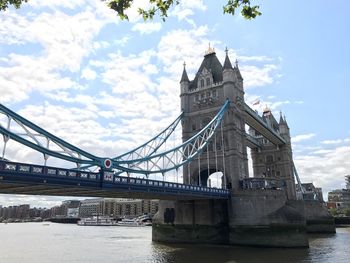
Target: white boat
{"type": "Point", "coordinates": [97, 221]}
{"type": "Point", "coordinates": [129, 222]}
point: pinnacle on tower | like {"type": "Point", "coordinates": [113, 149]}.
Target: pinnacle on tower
{"type": "Point", "coordinates": [209, 51]}
{"type": "Point", "coordinates": [237, 71]}
{"type": "Point", "coordinates": [184, 77]}
{"type": "Point", "coordinates": [282, 121]}
{"type": "Point", "coordinates": [227, 63]}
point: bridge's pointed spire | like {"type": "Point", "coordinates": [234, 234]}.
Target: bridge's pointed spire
{"type": "Point", "coordinates": [237, 71]}
{"type": "Point", "coordinates": [281, 119]}
{"type": "Point", "coordinates": [285, 120]}
{"type": "Point", "coordinates": [227, 63]}
{"type": "Point", "coordinates": [184, 77]}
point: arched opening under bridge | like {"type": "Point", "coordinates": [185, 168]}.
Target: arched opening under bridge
{"type": "Point", "coordinates": [211, 178]}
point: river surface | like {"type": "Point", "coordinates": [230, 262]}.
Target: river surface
{"type": "Point", "coordinates": [55, 243]}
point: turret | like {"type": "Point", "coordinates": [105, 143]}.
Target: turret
{"type": "Point", "coordinates": [283, 128]}
{"type": "Point", "coordinates": [229, 79]}
{"type": "Point", "coordinates": [239, 78]}
{"type": "Point", "coordinates": [238, 72]}
{"type": "Point", "coordinates": [184, 85]}
{"type": "Point", "coordinates": [184, 82]}
{"type": "Point", "coordinates": [228, 73]}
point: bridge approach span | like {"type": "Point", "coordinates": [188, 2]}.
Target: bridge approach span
{"type": "Point", "coordinates": [19, 178]}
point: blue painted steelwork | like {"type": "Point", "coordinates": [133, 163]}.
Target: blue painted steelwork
{"type": "Point", "coordinates": [11, 172]}
{"type": "Point", "coordinates": [149, 148]}
{"type": "Point", "coordinates": [71, 152]}
{"type": "Point", "coordinates": [143, 160]}
{"type": "Point", "coordinates": [178, 156]}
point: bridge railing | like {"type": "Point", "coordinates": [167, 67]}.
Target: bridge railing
{"type": "Point", "coordinates": [106, 179]}
{"type": "Point", "coordinates": [261, 183]}
{"type": "Point", "coordinates": [33, 169]}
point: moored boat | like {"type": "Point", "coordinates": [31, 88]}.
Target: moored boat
{"type": "Point", "coordinates": [97, 221]}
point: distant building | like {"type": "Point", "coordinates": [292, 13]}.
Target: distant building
{"type": "Point", "coordinates": [340, 198]}
{"type": "Point", "coordinates": [310, 192]}
{"type": "Point", "coordinates": [91, 207]}
{"type": "Point", "coordinates": [116, 207]}
{"type": "Point", "coordinates": [71, 208]}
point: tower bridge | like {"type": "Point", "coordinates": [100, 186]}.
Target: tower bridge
{"type": "Point", "coordinates": [261, 210]}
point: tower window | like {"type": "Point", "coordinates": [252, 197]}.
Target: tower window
{"type": "Point", "coordinates": [269, 158]}
{"type": "Point", "coordinates": [202, 83]}
{"type": "Point", "coordinates": [208, 81]}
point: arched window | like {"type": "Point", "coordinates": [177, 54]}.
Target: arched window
{"type": "Point", "coordinates": [208, 81]}
{"type": "Point", "coordinates": [202, 83]}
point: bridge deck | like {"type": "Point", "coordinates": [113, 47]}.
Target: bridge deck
{"type": "Point", "coordinates": [19, 178]}
{"type": "Point", "coordinates": [256, 122]}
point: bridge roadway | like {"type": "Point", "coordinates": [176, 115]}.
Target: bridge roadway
{"type": "Point", "coordinates": [257, 123]}
{"type": "Point", "coordinates": [21, 178]}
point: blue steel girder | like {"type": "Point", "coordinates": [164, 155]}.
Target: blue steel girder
{"type": "Point", "coordinates": [257, 123]}
{"type": "Point", "coordinates": [150, 147]}
{"type": "Point", "coordinates": [178, 156]}
{"type": "Point", "coordinates": [30, 135]}
{"type": "Point", "coordinates": [301, 189]}
{"type": "Point", "coordinates": [148, 162]}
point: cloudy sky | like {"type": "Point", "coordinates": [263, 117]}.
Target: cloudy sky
{"type": "Point", "coordinates": [75, 69]}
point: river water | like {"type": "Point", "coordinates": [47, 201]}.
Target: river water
{"type": "Point", "coordinates": [55, 243]}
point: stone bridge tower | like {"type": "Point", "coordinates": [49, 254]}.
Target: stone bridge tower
{"type": "Point", "coordinates": [272, 162]}
{"type": "Point", "coordinates": [260, 217]}
{"type": "Point", "coordinates": [201, 99]}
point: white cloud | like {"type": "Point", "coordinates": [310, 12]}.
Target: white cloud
{"type": "Point", "coordinates": [101, 44]}
{"type": "Point", "coordinates": [27, 74]}
{"type": "Point", "coordinates": [88, 74]}
{"type": "Point", "coordinates": [255, 59]}
{"type": "Point", "coordinates": [147, 28]}
{"type": "Point", "coordinates": [123, 41]}
{"type": "Point", "coordinates": [326, 169]}
{"type": "Point", "coordinates": [332, 141]}
{"type": "Point", "coordinates": [52, 4]}
{"type": "Point", "coordinates": [255, 76]}
{"type": "Point", "coordinates": [322, 151]}
{"type": "Point", "coordinates": [185, 9]}
{"type": "Point", "coordinates": [65, 41]}
{"type": "Point", "coordinates": [303, 137]}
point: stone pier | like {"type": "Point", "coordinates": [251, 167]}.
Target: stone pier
{"type": "Point", "coordinates": [251, 218]}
